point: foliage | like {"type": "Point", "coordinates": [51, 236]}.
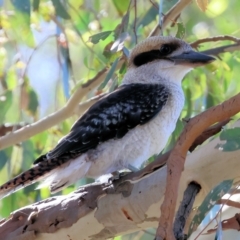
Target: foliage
{"type": "Point", "coordinates": [231, 138]}
{"type": "Point", "coordinates": [95, 34]}
{"type": "Point", "coordinates": [210, 200]}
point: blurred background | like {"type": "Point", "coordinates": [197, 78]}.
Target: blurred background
{"type": "Point", "coordinates": [49, 48]}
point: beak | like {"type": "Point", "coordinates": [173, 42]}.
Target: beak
{"type": "Point", "coordinates": [192, 58]}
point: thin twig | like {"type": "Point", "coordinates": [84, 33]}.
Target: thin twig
{"type": "Point", "coordinates": [160, 16]}
{"type": "Point", "coordinates": [34, 51]}
{"type": "Point", "coordinates": [214, 39]}
{"type": "Point", "coordinates": [205, 227]}
{"type": "Point", "coordinates": [171, 15]}
{"type": "Point", "coordinates": [223, 49]}
{"type": "Point", "coordinates": [135, 21]}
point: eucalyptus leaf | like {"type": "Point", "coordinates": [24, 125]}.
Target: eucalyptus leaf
{"type": "Point", "coordinates": [33, 102]}
{"type": "Point", "coordinates": [5, 155]}
{"type": "Point", "coordinates": [22, 6]}
{"type": "Point", "coordinates": [232, 138]}
{"type": "Point", "coordinates": [147, 18]}
{"type": "Point", "coordinates": [99, 36]}
{"type": "Point", "coordinates": [109, 74]}
{"type": "Point", "coordinates": [119, 43]}
{"type": "Point", "coordinates": [180, 30]}
{"type": "Point", "coordinates": [60, 9]}
{"type": "Point", "coordinates": [28, 155]}
{"type": "Point", "coordinates": [121, 6]}
{"type": "Point", "coordinates": [230, 134]}
{"type": "Point", "coordinates": [36, 5]}
{"type": "Point", "coordinates": [5, 104]}
{"type": "Point", "coordinates": [210, 200]}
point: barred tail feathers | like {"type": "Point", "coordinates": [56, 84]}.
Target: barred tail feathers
{"type": "Point", "coordinates": [37, 173]}
{"type": "Point", "coordinates": [24, 179]}
{"type": "Point", "coordinates": [55, 173]}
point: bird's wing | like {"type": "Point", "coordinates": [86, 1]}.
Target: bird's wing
{"type": "Point", "coordinates": [112, 117]}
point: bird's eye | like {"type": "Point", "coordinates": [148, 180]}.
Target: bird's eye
{"type": "Point", "coordinates": [165, 49]}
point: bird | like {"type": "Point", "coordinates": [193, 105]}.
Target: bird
{"type": "Point", "coordinates": [125, 127]}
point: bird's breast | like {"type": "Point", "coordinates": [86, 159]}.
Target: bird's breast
{"type": "Point", "coordinates": [139, 143]}
{"type": "Point", "coordinates": [162, 126]}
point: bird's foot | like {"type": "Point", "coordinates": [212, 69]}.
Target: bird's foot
{"type": "Point", "coordinates": [117, 175]}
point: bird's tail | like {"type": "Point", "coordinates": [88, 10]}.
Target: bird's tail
{"type": "Point", "coordinates": [34, 174]}
{"type": "Point", "coordinates": [55, 173]}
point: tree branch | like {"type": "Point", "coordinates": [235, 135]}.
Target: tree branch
{"type": "Point", "coordinates": [214, 39]}
{"type": "Point", "coordinates": [171, 15]}
{"type": "Point", "coordinates": [223, 49]}
{"type": "Point", "coordinates": [185, 209]}
{"type": "Point", "coordinates": [176, 160]}
{"type": "Point", "coordinates": [5, 128]}
{"type": "Point", "coordinates": [71, 107]}
{"type": "Point", "coordinates": [117, 210]}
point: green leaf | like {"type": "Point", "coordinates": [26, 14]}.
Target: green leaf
{"type": "Point", "coordinates": [12, 80]}
{"type": "Point", "coordinates": [86, 64]}
{"type": "Point", "coordinates": [230, 134]}
{"type": "Point", "coordinates": [118, 44]}
{"type": "Point", "coordinates": [122, 27]}
{"type": "Point", "coordinates": [121, 6]}
{"type": "Point", "coordinates": [109, 74]}
{"type": "Point", "coordinates": [99, 36]}
{"type": "Point", "coordinates": [125, 22]}
{"type": "Point", "coordinates": [181, 31]}
{"type": "Point", "coordinates": [232, 138]}
{"type": "Point", "coordinates": [33, 101]}
{"type": "Point", "coordinates": [40, 140]}
{"type": "Point", "coordinates": [60, 9]}
{"type": "Point", "coordinates": [35, 5]}
{"type": "Point", "coordinates": [209, 202]}
{"type": "Point", "coordinates": [126, 52]}
{"type": "Point", "coordinates": [28, 155]}
{"type": "Point", "coordinates": [5, 104]}
{"type": "Point", "coordinates": [123, 68]}
{"type": "Point", "coordinates": [150, 16]}
{"type": "Point", "coordinates": [5, 155]}
{"type": "Point", "coordinates": [20, 23]}
{"type": "Point", "coordinates": [22, 6]}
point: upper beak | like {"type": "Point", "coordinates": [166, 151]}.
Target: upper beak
{"type": "Point", "coordinates": [192, 58]}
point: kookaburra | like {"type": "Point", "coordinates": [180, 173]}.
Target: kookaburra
{"type": "Point", "coordinates": [125, 127]}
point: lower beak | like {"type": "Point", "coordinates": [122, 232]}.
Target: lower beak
{"type": "Point", "coordinates": [192, 58]}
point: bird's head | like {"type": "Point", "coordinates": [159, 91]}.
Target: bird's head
{"type": "Point", "coordinates": [167, 57]}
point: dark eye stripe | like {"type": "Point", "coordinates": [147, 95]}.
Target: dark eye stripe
{"type": "Point", "coordinates": [146, 57]}
{"type": "Point", "coordinates": [150, 56]}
